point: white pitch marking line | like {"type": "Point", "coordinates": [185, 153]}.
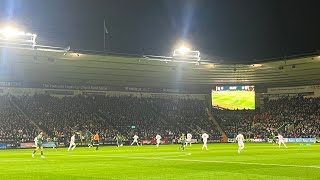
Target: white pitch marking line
{"type": "Point", "coordinates": [244, 163]}
{"type": "Point", "coordinates": [208, 161]}
{"type": "Point", "coordinates": [230, 162]}
{"type": "Point", "coordinates": [165, 158]}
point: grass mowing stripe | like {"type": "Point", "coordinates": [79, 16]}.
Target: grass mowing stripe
{"type": "Point", "coordinates": [258, 161]}
{"type": "Point", "coordinates": [204, 161]}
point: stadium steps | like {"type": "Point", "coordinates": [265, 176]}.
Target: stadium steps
{"type": "Point", "coordinates": [199, 131]}
{"type": "Point", "coordinates": [285, 126]}
{"type": "Point", "coordinates": [26, 116]}
{"type": "Point", "coordinates": [215, 122]}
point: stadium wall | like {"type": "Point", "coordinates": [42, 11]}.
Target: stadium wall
{"type": "Point", "coordinates": [65, 92]}
{"type": "Point", "coordinates": [258, 100]}
{"type": "Point", "coordinates": [307, 91]}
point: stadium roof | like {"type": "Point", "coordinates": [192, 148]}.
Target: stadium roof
{"type": "Point", "coordinates": [73, 68]}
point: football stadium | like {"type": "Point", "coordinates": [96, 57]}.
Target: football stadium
{"type": "Point", "coordinates": [67, 112]}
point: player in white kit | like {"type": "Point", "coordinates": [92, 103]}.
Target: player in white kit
{"type": "Point", "coordinates": [281, 140]}
{"type": "Point", "coordinates": [135, 140]}
{"type": "Point", "coordinates": [189, 137]}
{"type": "Point", "coordinates": [158, 138]}
{"type": "Point", "coordinates": [205, 137]}
{"type": "Point", "coordinates": [72, 143]}
{"type": "Point", "coordinates": [35, 141]}
{"type": "Point", "coordinates": [240, 140]}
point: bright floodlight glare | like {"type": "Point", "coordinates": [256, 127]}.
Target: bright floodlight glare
{"type": "Point", "coordinates": [10, 32]}
{"type": "Point", "coordinates": [183, 49]}
{"type": "Point", "coordinates": [256, 65]}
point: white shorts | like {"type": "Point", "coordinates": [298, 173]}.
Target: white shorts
{"type": "Point", "coordinates": [135, 141]}
{"type": "Point", "coordinates": [281, 142]}
{"type": "Point", "coordinates": [240, 144]}
{"type": "Point", "coordinates": [204, 142]}
{"type": "Point", "coordinates": [158, 141]}
{"type": "Point", "coordinates": [189, 140]}
{"type": "Point", "coordinates": [72, 144]}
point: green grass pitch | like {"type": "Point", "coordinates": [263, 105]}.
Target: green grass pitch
{"type": "Point", "coordinates": [234, 99]}
{"type": "Point", "coordinates": [257, 161]}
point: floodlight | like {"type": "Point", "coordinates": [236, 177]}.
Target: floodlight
{"type": "Point", "coordinates": [256, 65]}
{"type": "Point", "coordinates": [10, 36]}
{"type": "Point", "coordinates": [186, 54]}
{"type": "Point", "coordinates": [10, 32]}
{"type": "Point", "coordinates": [183, 49]}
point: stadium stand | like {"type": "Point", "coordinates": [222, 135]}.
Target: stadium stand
{"type": "Point", "coordinates": [23, 116]}
{"type": "Point", "coordinates": [234, 121]}
{"type": "Point", "coordinates": [61, 116]}
{"type": "Point", "coordinates": [14, 127]}
{"type": "Point", "coordinates": [293, 117]}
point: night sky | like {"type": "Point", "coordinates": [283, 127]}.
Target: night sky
{"type": "Point", "coordinates": [236, 31]}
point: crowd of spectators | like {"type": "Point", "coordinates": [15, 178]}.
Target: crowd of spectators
{"type": "Point", "coordinates": [299, 117]}
{"type": "Point", "coordinates": [14, 126]}
{"type": "Point", "coordinates": [292, 117]}
{"type": "Point", "coordinates": [235, 121]}
{"type": "Point", "coordinates": [23, 116]}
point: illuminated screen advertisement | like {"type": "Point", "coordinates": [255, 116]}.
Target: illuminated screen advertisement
{"type": "Point", "coordinates": [233, 97]}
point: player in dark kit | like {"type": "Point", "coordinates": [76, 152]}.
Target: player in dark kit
{"type": "Point", "coordinates": [89, 138]}
{"type": "Point", "coordinates": [55, 138]}
{"type": "Point", "coordinates": [119, 140]}
{"type": "Point", "coordinates": [39, 142]}
{"type": "Point", "coordinates": [182, 141]}
{"type": "Point", "coordinates": [273, 138]}
{"type": "Point", "coordinates": [56, 142]}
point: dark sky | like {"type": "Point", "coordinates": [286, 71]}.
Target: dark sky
{"type": "Point", "coordinates": [235, 30]}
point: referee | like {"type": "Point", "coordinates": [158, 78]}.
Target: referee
{"type": "Point", "coordinates": [96, 140]}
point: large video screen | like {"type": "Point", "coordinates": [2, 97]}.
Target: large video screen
{"type": "Point", "coordinates": [233, 97]}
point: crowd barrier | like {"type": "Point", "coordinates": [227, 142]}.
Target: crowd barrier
{"type": "Point", "coordinates": [153, 141]}
{"type": "Point", "coordinates": [32, 145]}
{"type": "Point", "coordinates": [300, 140]}
{"type": "Point", "coordinates": [3, 146]}
{"type": "Point", "coordinates": [163, 141]}
{"type": "Point", "coordinates": [27, 145]}
{"type": "Point", "coordinates": [49, 145]}
{"type": "Point", "coordinates": [232, 140]}
{"type": "Point", "coordinates": [192, 141]}
{"type": "Point", "coordinates": [287, 140]}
